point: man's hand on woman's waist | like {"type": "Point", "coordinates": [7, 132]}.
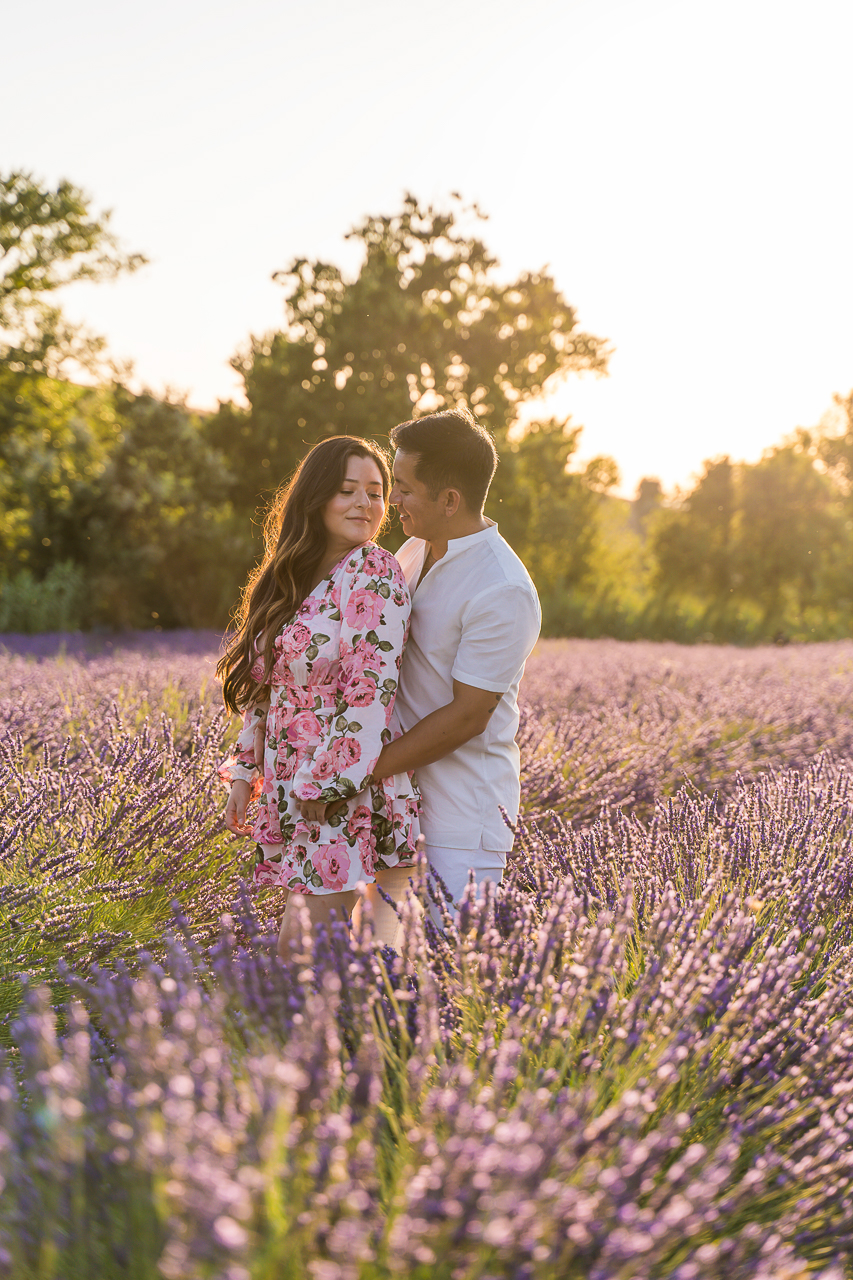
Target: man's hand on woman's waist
{"type": "Point", "coordinates": [439, 733]}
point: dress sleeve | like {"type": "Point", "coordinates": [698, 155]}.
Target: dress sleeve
{"type": "Point", "coordinates": [374, 615]}
{"type": "Point", "coordinates": [240, 765]}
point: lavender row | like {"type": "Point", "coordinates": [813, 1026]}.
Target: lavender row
{"type": "Point", "coordinates": [632, 1061]}
{"type": "Point", "coordinates": [602, 722]}
{"type": "Point", "coordinates": [94, 852]}
{"type": "Point", "coordinates": [61, 704]}
{"type": "Point", "coordinates": [624, 724]}
{"type": "Point", "coordinates": [562, 1087]}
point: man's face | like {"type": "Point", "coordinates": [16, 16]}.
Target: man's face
{"type": "Point", "coordinates": [420, 515]}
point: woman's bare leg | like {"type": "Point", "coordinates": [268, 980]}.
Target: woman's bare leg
{"type": "Point", "coordinates": [320, 907]}
{"type": "Point", "coordinates": [386, 923]}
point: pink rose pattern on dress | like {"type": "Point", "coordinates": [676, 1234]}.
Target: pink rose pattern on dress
{"type": "Point", "coordinates": [368, 854]}
{"type": "Point", "coordinates": [267, 873]}
{"type": "Point", "coordinates": [364, 610]}
{"type": "Point", "coordinates": [332, 863]}
{"type": "Point", "coordinates": [359, 819]}
{"type": "Point", "coordinates": [360, 692]}
{"type": "Point", "coordinates": [373, 562]}
{"type": "Point", "coordinates": [346, 752]}
{"type": "Point", "coordinates": [323, 767]}
{"type": "Point", "coordinates": [325, 730]}
{"type": "Point", "coordinates": [294, 640]}
{"type": "Point", "coordinates": [303, 730]}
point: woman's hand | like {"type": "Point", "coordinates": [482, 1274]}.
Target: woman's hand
{"type": "Point", "coordinates": [235, 809]}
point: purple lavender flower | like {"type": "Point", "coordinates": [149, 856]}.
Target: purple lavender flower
{"type": "Point", "coordinates": [632, 1059]}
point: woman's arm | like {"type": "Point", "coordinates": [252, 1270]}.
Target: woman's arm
{"type": "Point", "coordinates": [241, 764]}
{"type": "Point", "coordinates": [243, 770]}
{"type": "Point", "coordinates": [260, 731]}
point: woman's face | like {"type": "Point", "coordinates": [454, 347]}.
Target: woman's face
{"type": "Point", "coordinates": [355, 513]}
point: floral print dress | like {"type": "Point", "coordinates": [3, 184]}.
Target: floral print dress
{"type": "Point", "coordinates": [333, 685]}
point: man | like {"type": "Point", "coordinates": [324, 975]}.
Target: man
{"type": "Point", "coordinates": [475, 619]}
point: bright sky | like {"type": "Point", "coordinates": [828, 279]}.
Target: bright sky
{"type": "Point", "coordinates": [683, 168]}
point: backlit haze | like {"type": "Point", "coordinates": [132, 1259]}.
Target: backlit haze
{"type": "Point", "coordinates": [683, 168]}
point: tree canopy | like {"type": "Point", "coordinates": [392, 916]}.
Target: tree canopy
{"type": "Point", "coordinates": [425, 323]}
{"type": "Point", "coordinates": [119, 508]}
{"type": "Point", "coordinates": [836, 447]}
{"type": "Point", "coordinates": [49, 238]}
{"type": "Point", "coordinates": [766, 532]}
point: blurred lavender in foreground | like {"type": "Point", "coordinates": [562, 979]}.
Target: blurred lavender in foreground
{"type": "Point", "coordinates": [634, 1060]}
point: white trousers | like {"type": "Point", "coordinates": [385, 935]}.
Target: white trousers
{"type": "Point", "coordinates": [453, 865]}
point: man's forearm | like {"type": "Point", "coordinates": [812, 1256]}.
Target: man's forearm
{"type": "Point", "coordinates": [431, 739]}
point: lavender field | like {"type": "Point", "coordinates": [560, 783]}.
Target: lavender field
{"type": "Point", "coordinates": [635, 1060]}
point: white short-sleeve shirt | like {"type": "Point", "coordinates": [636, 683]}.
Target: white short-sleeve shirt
{"type": "Point", "coordinates": [475, 618]}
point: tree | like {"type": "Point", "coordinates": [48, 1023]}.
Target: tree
{"type": "Point", "coordinates": [55, 442]}
{"type": "Point", "coordinates": [835, 448]}
{"type": "Point", "coordinates": [788, 527]}
{"type": "Point", "coordinates": [49, 238]}
{"type": "Point", "coordinates": [424, 325]}
{"type": "Point", "coordinates": [162, 538]}
{"type": "Point", "coordinates": [126, 489]}
{"type": "Point", "coordinates": [647, 502]}
{"type": "Point", "coordinates": [693, 542]}
{"type": "Point", "coordinates": [765, 533]}
{"type": "Point", "coordinates": [546, 511]}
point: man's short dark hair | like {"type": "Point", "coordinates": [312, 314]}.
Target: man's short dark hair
{"type": "Point", "coordinates": [453, 452]}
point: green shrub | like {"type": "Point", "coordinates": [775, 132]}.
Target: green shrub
{"type": "Point", "coordinates": [57, 602]}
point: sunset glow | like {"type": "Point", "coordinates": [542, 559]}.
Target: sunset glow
{"type": "Point", "coordinates": [683, 169]}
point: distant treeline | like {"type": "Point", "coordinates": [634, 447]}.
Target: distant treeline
{"type": "Point", "coordinates": [126, 510]}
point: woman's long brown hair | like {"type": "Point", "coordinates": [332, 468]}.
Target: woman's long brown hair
{"type": "Point", "coordinates": [295, 541]}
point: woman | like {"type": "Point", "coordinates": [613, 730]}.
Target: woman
{"type": "Point", "coordinates": [315, 663]}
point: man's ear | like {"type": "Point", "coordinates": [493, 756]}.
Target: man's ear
{"type": "Point", "coordinates": [452, 499]}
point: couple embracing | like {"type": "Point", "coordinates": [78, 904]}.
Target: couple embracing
{"type": "Point", "coordinates": [379, 692]}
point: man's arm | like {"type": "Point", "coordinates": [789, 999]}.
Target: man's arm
{"type": "Point", "coordinates": [435, 736]}
{"type": "Point", "coordinates": [439, 733]}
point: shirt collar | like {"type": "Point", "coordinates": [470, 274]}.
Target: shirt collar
{"type": "Point", "coordinates": [458, 546]}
